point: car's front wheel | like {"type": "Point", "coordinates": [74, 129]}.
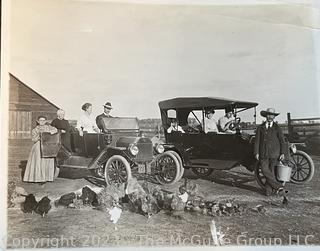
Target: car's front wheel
{"type": "Point", "coordinates": [180, 162]}
{"type": "Point", "coordinates": [167, 169]}
{"type": "Point", "coordinates": [117, 170]}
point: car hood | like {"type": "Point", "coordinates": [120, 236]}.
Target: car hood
{"type": "Point", "coordinates": [126, 141]}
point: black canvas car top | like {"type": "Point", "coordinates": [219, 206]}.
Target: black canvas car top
{"type": "Point", "coordinates": [203, 102]}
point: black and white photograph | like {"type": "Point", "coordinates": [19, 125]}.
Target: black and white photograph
{"type": "Point", "coordinates": [157, 123]}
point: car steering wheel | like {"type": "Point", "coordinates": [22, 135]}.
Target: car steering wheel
{"type": "Point", "coordinates": [232, 125]}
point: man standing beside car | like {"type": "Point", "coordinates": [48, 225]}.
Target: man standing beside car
{"type": "Point", "coordinates": [107, 107]}
{"type": "Point", "coordinates": [269, 149]}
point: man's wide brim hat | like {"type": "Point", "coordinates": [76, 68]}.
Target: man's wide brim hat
{"type": "Point", "coordinates": [108, 105]}
{"type": "Point", "coordinates": [269, 111]}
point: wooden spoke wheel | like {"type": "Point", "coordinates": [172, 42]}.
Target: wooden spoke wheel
{"type": "Point", "coordinates": [117, 170]}
{"type": "Point", "coordinates": [302, 167]}
{"type": "Point", "coordinates": [180, 162]}
{"type": "Point", "coordinates": [167, 168]}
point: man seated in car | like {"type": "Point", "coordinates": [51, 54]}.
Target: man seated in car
{"type": "Point", "coordinates": [174, 127]}
{"type": "Point", "coordinates": [107, 107]}
{"type": "Point", "coordinates": [225, 121]}
{"type": "Point", "coordinates": [210, 124]}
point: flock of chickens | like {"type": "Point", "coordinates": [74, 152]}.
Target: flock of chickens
{"type": "Point", "coordinates": [146, 198]}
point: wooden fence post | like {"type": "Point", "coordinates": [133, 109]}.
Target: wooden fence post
{"type": "Point", "coordinates": [290, 129]}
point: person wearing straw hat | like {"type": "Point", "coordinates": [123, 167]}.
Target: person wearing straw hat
{"type": "Point", "coordinates": [107, 107]}
{"type": "Point", "coordinates": [269, 149]}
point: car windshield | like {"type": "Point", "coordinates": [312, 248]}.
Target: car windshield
{"type": "Point", "coordinates": [195, 118]}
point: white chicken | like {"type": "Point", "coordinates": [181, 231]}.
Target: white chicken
{"type": "Point", "coordinates": [115, 214]}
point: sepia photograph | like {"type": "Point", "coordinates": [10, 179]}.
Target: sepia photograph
{"type": "Point", "coordinates": [160, 124]}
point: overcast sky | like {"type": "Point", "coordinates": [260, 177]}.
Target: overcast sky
{"type": "Point", "coordinates": [135, 55]}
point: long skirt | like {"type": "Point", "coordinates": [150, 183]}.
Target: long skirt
{"type": "Point", "coordinates": [38, 169]}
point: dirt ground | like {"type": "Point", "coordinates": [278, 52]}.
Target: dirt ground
{"type": "Point", "coordinates": [294, 224]}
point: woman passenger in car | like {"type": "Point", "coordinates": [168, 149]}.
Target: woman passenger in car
{"type": "Point", "coordinates": [87, 122]}
{"type": "Point", "coordinates": [39, 169]}
{"type": "Point", "coordinates": [210, 124]}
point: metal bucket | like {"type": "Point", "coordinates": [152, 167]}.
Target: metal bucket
{"type": "Point", "coordinates": [283, 172]}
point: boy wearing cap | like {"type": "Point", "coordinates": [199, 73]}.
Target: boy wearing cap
{"type": "Point", "coordinates": [107, 107]}
{"type": "Point", "coordinates": [269, 149]}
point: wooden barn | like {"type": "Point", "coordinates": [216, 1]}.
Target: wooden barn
{"type": "Point", "coordinates": [25, 105]}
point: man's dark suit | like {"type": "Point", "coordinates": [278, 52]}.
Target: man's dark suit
{"type": "Point", "coordinates": [269, 144]}
{"type": "Point", "coordinates": [98, 120]}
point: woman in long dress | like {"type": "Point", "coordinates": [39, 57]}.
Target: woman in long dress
{"type": "Point", "coordinates": [39, 169]}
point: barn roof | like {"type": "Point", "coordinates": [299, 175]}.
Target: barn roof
{"type": "Point", "coordinates": [11, 75]}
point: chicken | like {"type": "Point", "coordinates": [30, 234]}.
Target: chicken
{"type": "Point", "coordinates": [159, 195]}
{"type": "Point", "coordinates": [285, 200]}
{"type": "Point", "coordinates": [177, 203]}
{"type": "Point", "coordinates": [183, 187]}
{"type": "Point", "coordinates": [184, 197]}
{"type": "Point", "coordinates": [115, 214]}
{"type": "Point", "coordinates": [30, 204]}
{"type": "Point", "coordinates": [89, 197]}
{"type": "Point", "coordinates": [144, 198]}
{"type": "Point", "coordinates": [43, 206]}
{"type": "Point", "coordinates": [66, 199]}
{"type": "Point", "coordinates": [133, 186]}
{"type": "Point", "coordinates": [110, 196]}
{"type": "Point", "coordinates": [149, 206]}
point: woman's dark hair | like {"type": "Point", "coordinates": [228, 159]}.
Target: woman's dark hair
{"type": "Point", "coordinates": [209, 111]}
{"type": "Point", "coordinates": [86, 106]}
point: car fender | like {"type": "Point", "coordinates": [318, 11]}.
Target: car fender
{"type": "Point", "coordinates": [180, 150]}
{"type": "Point", "coordinates": [106, 153]}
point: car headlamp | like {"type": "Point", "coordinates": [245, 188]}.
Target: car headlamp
{"type": "Point", "coordinates": [133, 149]}
{"type": "Point", "coordinates": [159, 148]}
{"type": "Point", "coordinates": [293, 148]}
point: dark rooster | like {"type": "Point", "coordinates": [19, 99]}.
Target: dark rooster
{"type": "Point", "coordinates": [89, 197]}
{"type": "Point", "coordinates": [30, 204]}
{"type": "Point", "coordinates": [43, 206]}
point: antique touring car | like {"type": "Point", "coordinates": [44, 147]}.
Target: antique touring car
{"type": "Point", "coordinates": [115, 155]}
{"type": "Point", "coordinates": [205, 152]}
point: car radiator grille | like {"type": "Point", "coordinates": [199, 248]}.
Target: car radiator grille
{"type": "Point", "coordinates": [145, 152]}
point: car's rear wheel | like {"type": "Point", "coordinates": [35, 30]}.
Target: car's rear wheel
{"type": "Point", "coordinates": [117, 170]}
{"type": "Point", "coordinates": [180, 162]}
{"type": "Point", "coordinates": [167, 168]}
{"type": "Point", "coordinates": [302, 167]}
{"type": "Point", "coordinates": [202, 172]}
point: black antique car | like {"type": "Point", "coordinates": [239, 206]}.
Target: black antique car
{"type": "Point", "coordinates": [115, 155]}
{"type": "Point", "coordinates": [206, 152]}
